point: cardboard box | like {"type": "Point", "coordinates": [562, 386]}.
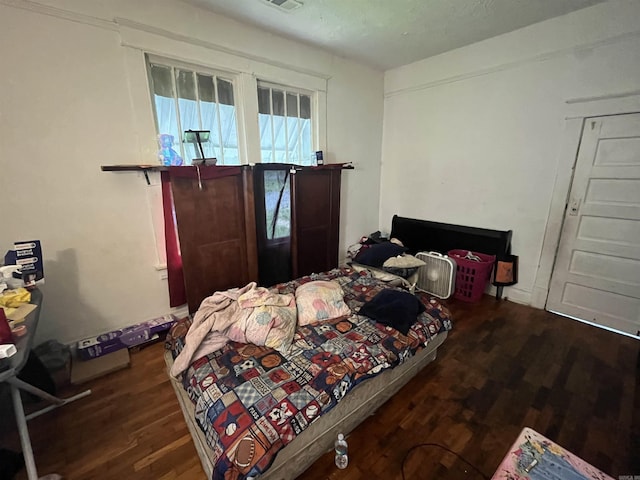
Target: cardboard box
{"type": "Point", "coordinates": [28, 255]}
{"type": "Point", "coordinates": [127, 337]}
{"type": "Point", "coordinates": [84, 370]}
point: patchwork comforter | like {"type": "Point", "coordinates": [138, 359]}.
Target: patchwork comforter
{"type": "Point", "coordinates": [249, 315]}
{"type": "Point", "coordinates": [252, 401]}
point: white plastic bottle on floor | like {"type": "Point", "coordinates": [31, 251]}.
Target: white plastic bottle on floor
{"type": "Point", "coordinates": [342, 458]}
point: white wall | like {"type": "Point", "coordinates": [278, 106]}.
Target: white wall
{"type": "Point", "coordinates": [74, 96]}
{"type": "Point", "coordinates": [473, 136]}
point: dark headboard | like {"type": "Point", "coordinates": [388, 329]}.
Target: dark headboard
{"type": "Point", "coordinates": [422, 235]}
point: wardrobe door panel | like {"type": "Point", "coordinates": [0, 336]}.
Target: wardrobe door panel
{"type": "Point", "coordinates": [316, 221]}
{"type": "Point", "coordinates": [216, 227]}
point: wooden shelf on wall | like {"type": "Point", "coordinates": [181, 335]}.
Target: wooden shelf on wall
{"type": "Point", "coordinates": [160, 168]}
{"type": "Point", "coordinates": [132, 168]}
{"type": "Point", "coordinates": [326, 166]}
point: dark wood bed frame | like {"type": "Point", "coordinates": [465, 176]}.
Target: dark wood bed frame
{"type": "Point", "coordinates": [422, 235]}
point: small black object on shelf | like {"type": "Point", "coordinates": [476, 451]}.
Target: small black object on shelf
{"type": "Point", "coordinates": [197, 137]}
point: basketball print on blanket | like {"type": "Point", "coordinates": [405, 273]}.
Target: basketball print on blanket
{"type": "Point", "coordinates": [251, 401]}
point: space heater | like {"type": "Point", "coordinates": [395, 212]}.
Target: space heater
{"type": "Point", "coordinates": [437, 277]}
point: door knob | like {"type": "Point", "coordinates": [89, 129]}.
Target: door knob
{"type": "Point", "coordinates": [574, 207]}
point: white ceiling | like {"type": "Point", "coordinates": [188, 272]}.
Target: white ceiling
{"type": "Point", "coordinates": [388, 33]}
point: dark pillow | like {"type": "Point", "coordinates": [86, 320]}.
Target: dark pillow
{"type": "Point", "coordinates": [394, 308]}
{"type": "Point", "coordinates": [376, 255]}
{"type": "Point", "coordinates": [405, 272]}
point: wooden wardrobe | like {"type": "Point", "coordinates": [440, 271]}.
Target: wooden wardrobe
{"type": "Point", "coordinates": [267, 223]}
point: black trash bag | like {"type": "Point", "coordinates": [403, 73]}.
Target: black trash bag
{"type": "Point", "coordinates": [10, 464]}
{"type": "Point", "coordinates": [35, 373]}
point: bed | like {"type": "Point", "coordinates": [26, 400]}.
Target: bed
{"type": "Point", "coordinates": [254, 412]}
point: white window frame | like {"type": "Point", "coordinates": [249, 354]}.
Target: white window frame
{"type": "Point", "coordinates": [249, 110]}
{"type": "Point", "coordinates": [245, 94]}
{"type": "Point", "coordinates": [139, 40]}
{"type": "Point", "coordinates": [313, 117]}
{"type": "Point", "coordinates": [143, 46]}
{"type": "Point", "coordinates": [205, 70]}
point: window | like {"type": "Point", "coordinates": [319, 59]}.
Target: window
{"type": "Point", "coordinates": [186, 99]}
{"type": "Point", "coordinates": [277, 204]}
{"type": "Point", "coordinates": [291, 124]}
{"type": "Point", "coordinates": [284, 116]}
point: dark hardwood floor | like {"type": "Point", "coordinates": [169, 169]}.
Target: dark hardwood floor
{"type": "Point", "coordinates": [504, 366]}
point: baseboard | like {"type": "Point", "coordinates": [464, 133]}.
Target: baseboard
{"type": "Point", "coordinates": [539, 297]}
{"type": "Point", "coordinates": [513, 294]}
{"type": "Point", "coordinates": [181, 311]}
{"type": "Point", "coordinates": [518, 296]}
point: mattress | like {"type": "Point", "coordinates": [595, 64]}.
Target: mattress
{"type": "Point", "coordinates": [291, 407]}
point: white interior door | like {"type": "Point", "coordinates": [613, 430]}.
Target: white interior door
{"type": "Point", "coordinates": [596, 276]}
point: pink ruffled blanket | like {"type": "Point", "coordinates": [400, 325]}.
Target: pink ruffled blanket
{"type": "Point", "coordinates": [249, 314]}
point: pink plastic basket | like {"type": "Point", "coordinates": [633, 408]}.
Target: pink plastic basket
{"type": "Point", "coordinates": [471, 276]}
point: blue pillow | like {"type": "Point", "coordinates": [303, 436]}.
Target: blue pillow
{"type": "Point", "coordinates": [376, 255]}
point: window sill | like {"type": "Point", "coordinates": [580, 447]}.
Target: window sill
{"type": "Point", "coordinates": [162, 269]}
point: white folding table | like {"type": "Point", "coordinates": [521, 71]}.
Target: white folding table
{"type": "Point", "coordinates": [10, 376]}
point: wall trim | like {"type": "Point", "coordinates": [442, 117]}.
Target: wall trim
{"type": "Point", "coordinates": [617, 103]}
{"type": "Point", "coordinates": [181, 50]}
{"type": "Point", "coordinates": [577, 112]}
{"type": "Point", "coordinates": [513, 64]}
{"type": "Point", "coordinates": [181, 311]}
{"type": "Point", "coordinates": [564, 175]}
{"type": "Point", "coordinates": [60, 13]}
{"type": "Point", "coordinates": [603, 97]}
{"type": "Point", "coordinates": [213, 46]}
{"type": "Point", "coordinates": [117, 22]}
{"type": "Point", "coordinates": [512, 294]}
{"type": "Point", "coordinates": [539, 297]}
{"type": "Point", "coordinates": [517, 296]}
